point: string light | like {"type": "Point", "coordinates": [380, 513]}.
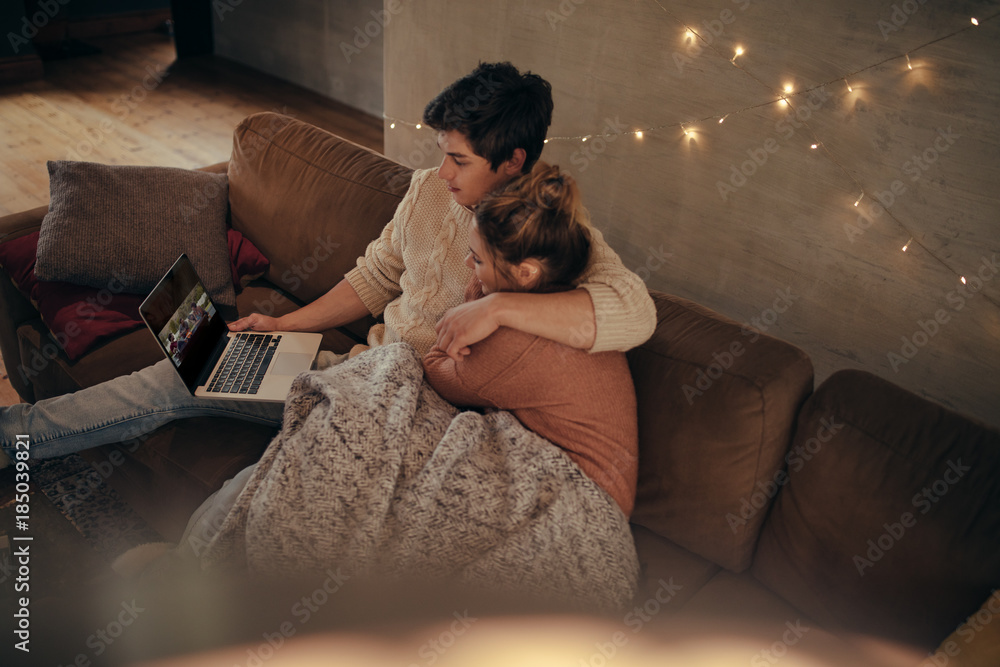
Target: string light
{"type": "Point", "coordinates": [788, 89]}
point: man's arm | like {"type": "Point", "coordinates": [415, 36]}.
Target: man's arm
{"type": "Point", "coordinates": [610, 310]}
{"type": "Point", "coordinates": [563, 317]}
{"type": "Point", "coordinates": [366, 289]}
{"type": "Point", "coordinates": [340, 306]}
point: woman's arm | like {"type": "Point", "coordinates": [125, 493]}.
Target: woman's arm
{"type": "Point", "coordinates": [473, 379]}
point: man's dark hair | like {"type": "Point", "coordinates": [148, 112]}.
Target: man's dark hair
{"type": "Point", "coordinates": [498, 109]}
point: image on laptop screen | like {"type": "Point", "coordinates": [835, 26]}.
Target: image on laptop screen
{"type": "Point", "coordinates": [185, 324]}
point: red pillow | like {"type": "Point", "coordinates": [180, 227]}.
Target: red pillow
{"type": "Point", "coordinates": [79, 317]}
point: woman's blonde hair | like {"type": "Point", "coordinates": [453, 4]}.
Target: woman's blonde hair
{"type": "Point", "coordinates": [537, 216]}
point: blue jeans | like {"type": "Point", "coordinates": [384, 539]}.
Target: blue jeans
{"type": "Point", "coordinates": [121, 409]}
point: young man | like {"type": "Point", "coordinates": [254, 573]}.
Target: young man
{"type": "Point", "coordinates": [491, 128]}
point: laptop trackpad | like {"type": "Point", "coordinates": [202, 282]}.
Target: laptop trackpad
{"type": "Point", "coordinates": [291, 363]}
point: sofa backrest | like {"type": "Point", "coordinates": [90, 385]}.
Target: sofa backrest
{"type": "Point", "coordinates": [890, 522]}
{"type": "Point", "coordinates": [308, 199]}
{"type": "Point", "coordinates": [717, 405]}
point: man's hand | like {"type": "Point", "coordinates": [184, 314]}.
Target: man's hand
{"type": "Point", "coordinates": [465, 325]}
{"type": "Point", "coordinates": [255, 322]}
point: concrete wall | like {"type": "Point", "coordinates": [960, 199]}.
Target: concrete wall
{"type": "Point", "coordinates": [333, 48]}
{"type": "Point", "coordinates": [750, 218]}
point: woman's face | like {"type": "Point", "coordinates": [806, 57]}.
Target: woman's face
{"type": "Point", "coordinates": [479, 261]}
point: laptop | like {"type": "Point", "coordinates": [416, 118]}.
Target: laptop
{"type": "Point", "coordinates": [213, 361]}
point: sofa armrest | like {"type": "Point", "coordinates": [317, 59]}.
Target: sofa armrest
{"type": "Point", "coordinates": [16, 308]}
{"type": "Point", "coordinates": [25, 222]}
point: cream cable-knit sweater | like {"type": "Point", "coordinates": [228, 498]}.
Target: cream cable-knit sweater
{"type": "Point", "coordinates": [415, 271]}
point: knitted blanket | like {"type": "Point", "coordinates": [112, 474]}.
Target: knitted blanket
{"type": "Point", "coordinates": [373, 472]}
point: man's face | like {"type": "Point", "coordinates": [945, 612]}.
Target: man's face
{"type": "Point", "coordinates": [468, 175]}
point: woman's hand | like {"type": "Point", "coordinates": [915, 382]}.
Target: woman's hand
{"type": "Point", "coordinates": [255, 322]}
{"type": "Point", "coordinates": [466, 325]}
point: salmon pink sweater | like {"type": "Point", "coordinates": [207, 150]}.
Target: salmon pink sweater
{"type": "Point", "coordinates": [582, 402]}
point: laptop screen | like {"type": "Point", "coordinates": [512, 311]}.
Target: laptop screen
{"type": "Point", "coordinates": [183, 320]}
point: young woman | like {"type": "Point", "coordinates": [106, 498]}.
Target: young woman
{"type": "Point", "coordinates": [533, 236]}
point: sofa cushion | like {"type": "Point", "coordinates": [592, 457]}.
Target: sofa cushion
{"type": "Point", "coordinates": [717, 405]}
{"type": "Point", "coordinates": [890, 523]}
{"type": "Point", "coordinates": [308, 199]}
{"type": "Point", "coordinates": [669, 572]}
{"type": "Point", "coordinates": [78, 316]}
{"type": "Point", "coordinates": [128, 224]}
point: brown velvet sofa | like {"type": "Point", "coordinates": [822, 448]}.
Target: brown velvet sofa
{"type": "Point", "coordinates": [856, 507]}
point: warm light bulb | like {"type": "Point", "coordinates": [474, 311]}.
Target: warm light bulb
{"type": "Point", "coordinates": [546, 141]}
{"type": "Point", "coordinates": [638, 134]}
{"type": "Point", "coordinates": [418, 126]}
{"type": "Point", "coordinates": [788, 87]}
{"type": "Point", "coordinates": [849, 89]}
{"type": "Point", "coordinates": [975, 21]}
{"type": "Point", "coordinates": [859, 199]}
{"type": "Point", "coordinates": [907, 245]}
{"type": "Point", "coordinates": [723, 118]}
{"type": "Point", "coordinates": [689, 34]}
{"type": "Point", "coordinates": [814, 146]}
{"type": "Point", "coordinates": [908, 63]}
{"type": "Point", "coordinates": [392, 126]}
{"type": "Point", "coordinates": [963, 280]}
{"type": "Point", "coordinates": [739, 50]}
{"type": "Point", "coordinates": [585, 138]}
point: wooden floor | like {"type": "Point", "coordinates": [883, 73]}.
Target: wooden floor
{"type": "Point", "coordinates": [133, 104]}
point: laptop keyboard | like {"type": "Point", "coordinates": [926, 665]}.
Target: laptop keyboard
{"type": "Point", "coordinates": [244, 364]}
